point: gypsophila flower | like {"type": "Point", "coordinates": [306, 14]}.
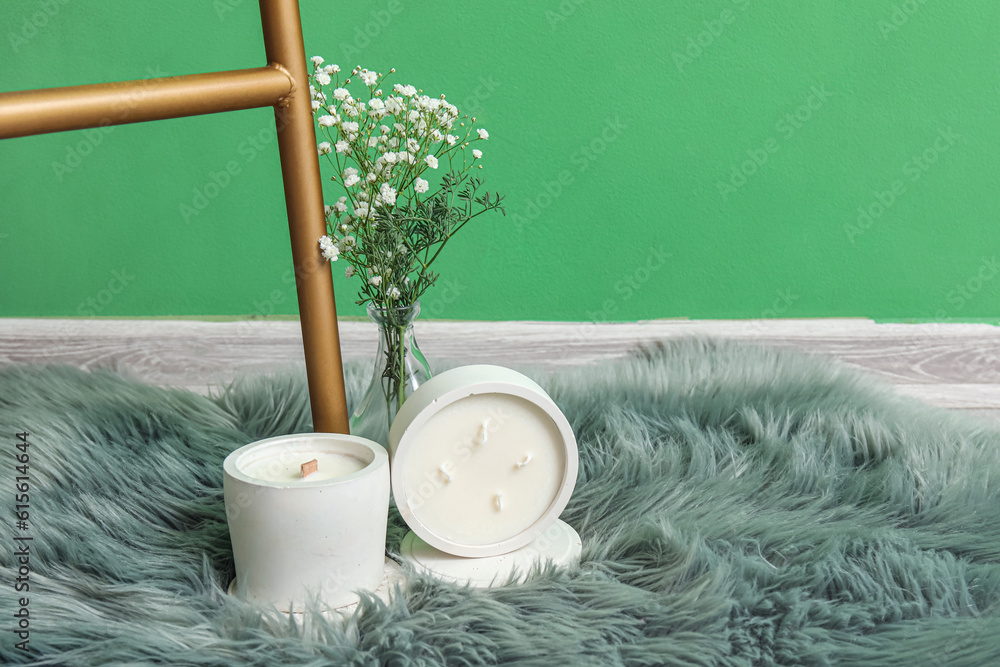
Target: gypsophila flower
{"type": "Point", "coordinates": [331, 69]}
{"type": "Point", "coordinates": [483, 134]}
{"type": "Point", "coordinates": [412, 145]}
{"type": "Point", "coordinates": [341, 205]}
{"type": "Point", "coordinates": [343, 146]}
{"type": "Point", "coordinates": [350, 176]}
{"type": "Point", "coordinates": [350, 126]}
{"type": "Point", "coordinates": [476, 153]}
{"type": "Point", "coordinates": [323, 148]}
{"type": "Point", "coordinates": [316, 104]}
{"type": "Point", "coordinates": [387, 194]}
{"type": "Point", "coordinates": [420, 185]}
{"type": "Point", "coordinates": [323, 78]}
{"type": "Point", "coordinates": [317, 60]}
{"type": "Point", "coordinates": [370, 78]}
{"type": "Point", "coordinates": [393, 292]}
{"type": "Point", "coordinates": [375, 280]}
{"type": "Point", "coordinates": [451, 139]}
{"type": "Point", "coordinates": [341, 94]}
{"type": "Point", "coordinates": [408, 91]}
{"type": "Point", "coordinates": [349, 272]}
{"type": "Point", "coordinates": [328, 249]}
{"type": "Point", "coordinates": [327, 120]}
{"type": "Point", "coordinates": [431, 161]}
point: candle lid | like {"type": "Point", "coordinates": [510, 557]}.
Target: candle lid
{"type": "Point", "coordinates": [482, 461]}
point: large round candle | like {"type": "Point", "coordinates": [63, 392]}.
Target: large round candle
{"type": "Point", "coordinates": [482, 461]}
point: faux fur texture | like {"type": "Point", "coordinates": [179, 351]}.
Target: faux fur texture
{"type": "Point", "coordinates": [738, 506]}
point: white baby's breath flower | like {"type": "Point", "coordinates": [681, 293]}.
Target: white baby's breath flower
{"type": "Point", "coordinates": [328, 249]}
{"type": "Point", "coordinates": [343, 146]}
{"type": "Point", "coordinates": [387, 194]}
{"type": "Point", "coordinates": [340, 206]}
{"type": "Point", "coordinates": [371, 177]}
{"type": "Point", "coordinates": [412, 145]}
{"type": "Point", "coordinates": [431, 161]}
{"type": "Point", "coordinates": [372, 141]}
{"type": "Point", "coordinates": [436, 135]}
{"type": "Point", "coordinates": [420, 185]}
{"type": "Point", "coordinates": [324, 147]}
{"type": "Point", "coordinates": [483, 134]}
{"type": "Point", "coordinates": [390, 157]}
{"type": "Point", "coordinates": [317, 60]}
{"type": "Point", "coordinates": [331, 69]}
{"type": "Point", "coordinates": [408, 91]}
{"type": "Point", "coordinates": [375, 280]}
{"type": "Point", "coordinates": [393, 292]}
{"type": "Point", "coordinates": [327, 120]}
{"type": "Point", "coordinates": [413, 116]}
{"type": "Point", "coordinates": [328, 210]}
{"type": "Point", "coordinates": [323, 78]}
{"type": "Point", "coordinates": [476, 153]}
{"type": "Point", "coordinates": [369, 77]}
{"type": "Point", "coordinates": [349, 272]}
{"type": "Point", "coordinates": [341, 94]}
{"type": "Point", "coordinates": [349, 126]}
{"type": "Point", "coordinates": [316, 104]}
{"type": "Point", "coordinates": [351, 176]}
{"type": "Point", "coordinates": [451, 139]}
{"type": "Point", "coordinates": [376, 104]}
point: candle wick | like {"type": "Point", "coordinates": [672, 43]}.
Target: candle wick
{"type": "Point", "coordinates": [444, 474]}
{"type": "Point", "coordinates": [309, 467]}
{"type": "Point", "coordinates": [483, 434]}
{"type": "Point", "coordinates": [499, 501]}
{"type": "Point", "coordinates": [525, 461]}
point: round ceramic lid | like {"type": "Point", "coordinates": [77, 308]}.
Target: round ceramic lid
{"type": "Point", "coordinates": [482, 461]}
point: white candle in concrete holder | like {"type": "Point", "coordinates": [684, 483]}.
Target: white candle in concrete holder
{"type": "Point", "coordinates": [307, 516]}
{"type": "Point", "coordinates": [483, 461]}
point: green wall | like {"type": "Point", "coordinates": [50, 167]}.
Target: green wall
{"type": "Point", "coordinates": [717, 159]}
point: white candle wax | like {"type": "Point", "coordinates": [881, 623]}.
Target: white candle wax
{"type": "Point", "coordinates": [285, 467]}
{"type": "Point", "coordinates": [484, 468]}
{"type": "Point", "coordinates": [483, 461]}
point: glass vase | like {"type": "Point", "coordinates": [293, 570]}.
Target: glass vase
{"type": "Point", "coordinates": [400, 368]}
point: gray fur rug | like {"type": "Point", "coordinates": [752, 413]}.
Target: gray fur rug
{"type": "Point", "coordinates": [738, 506]}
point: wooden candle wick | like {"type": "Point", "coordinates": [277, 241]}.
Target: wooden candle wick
{"type": "Point", "coordinates": [309, 467]}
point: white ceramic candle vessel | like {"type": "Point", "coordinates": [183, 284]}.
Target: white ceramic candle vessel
{"type": "Point", "coordinates": [483, 462]}
{"type": "Point", "coordinates": [323, 534]}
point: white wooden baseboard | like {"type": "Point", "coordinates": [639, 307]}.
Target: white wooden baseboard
{"type": "Point", "coordinates": [950, 365]}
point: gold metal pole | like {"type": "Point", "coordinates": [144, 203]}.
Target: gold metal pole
{"type": "Point", "coordinates": [28, 112]}
{"type": "Point", "coordinates": [283, 84]}
{"type": "Point", "coordinates": [304, 201]}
